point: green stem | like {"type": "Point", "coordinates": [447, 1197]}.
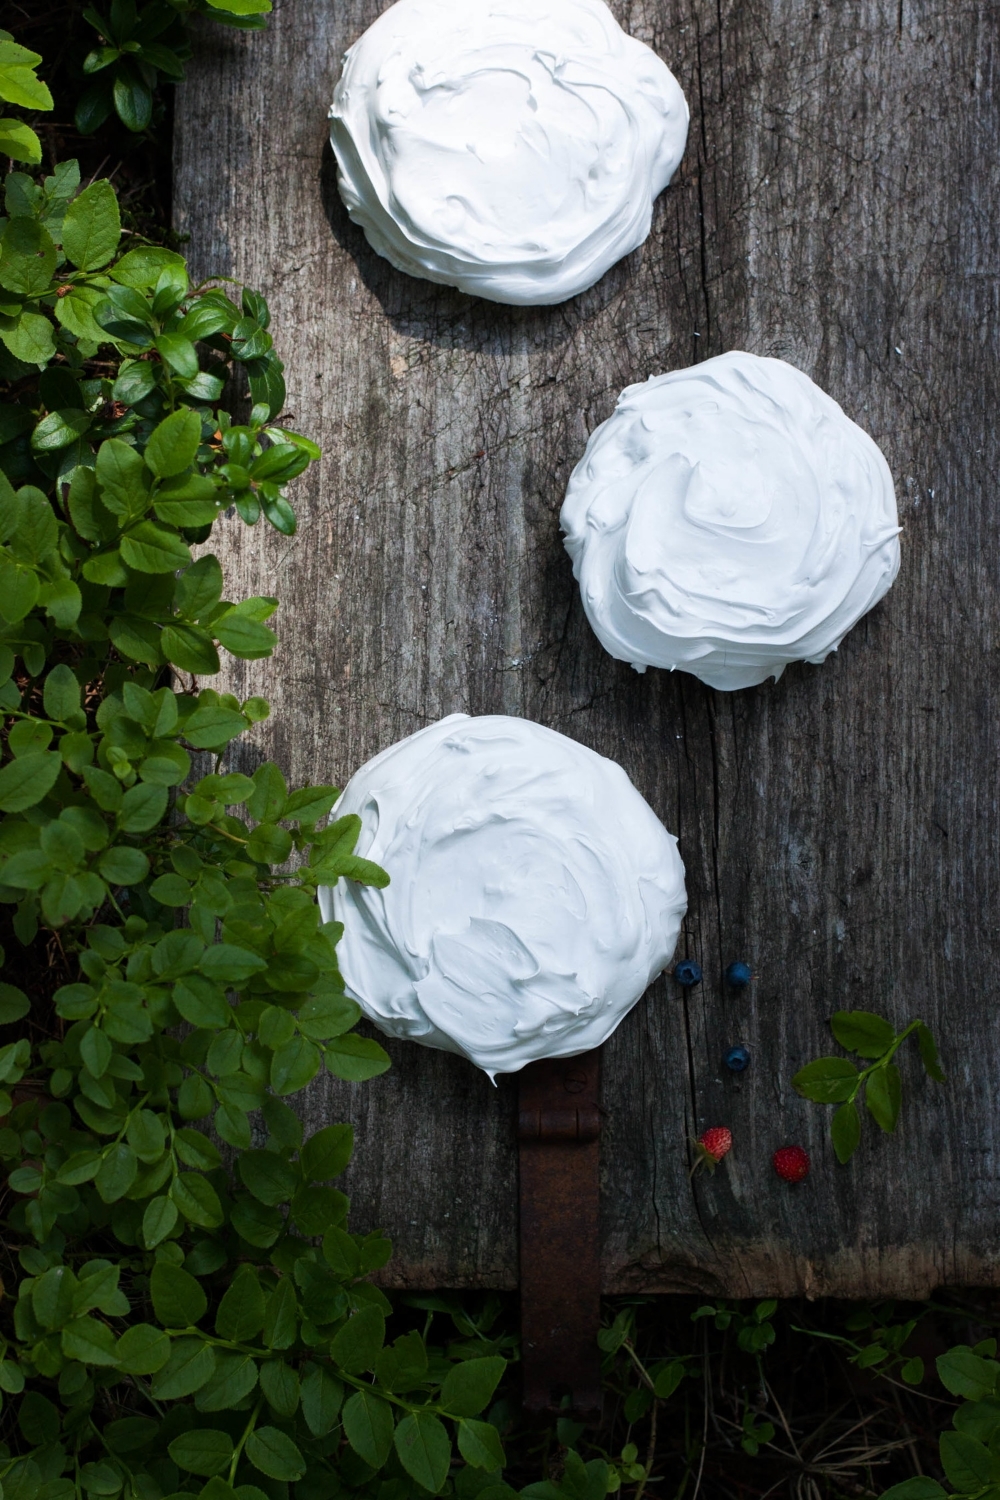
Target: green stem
{"type": "Point", "coordinates": [885, 1059]}
{"type": "Point", "coordinates": [242, 1442]}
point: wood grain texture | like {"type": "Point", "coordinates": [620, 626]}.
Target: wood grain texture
{"type": "Point", "coordinates": [837, 206]}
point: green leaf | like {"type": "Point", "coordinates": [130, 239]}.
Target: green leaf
{"type": "Point", "coordinates": [143, 807]}
{"type": "Point", "coordinates": [356, 1346]}
{"type": "Point", "coordinates": [27, 257]}
{"type": "Point", "coordinates": [368, 1427]}
{"type": "Point", "coordinates": [241, 1311]}
{"type": "Point", "coordinates": [479, 1444]}
{"type": "Point", "coordinates": [29, 338]}
{"type": "Point", "coordinates": [235, 1377]}
{"type": "Point", "coordinates": [26, 780]}
{"type": "Point", "coordinates": [967, 1463]}
{"type": "Point", "coordinates": [829, 1080]}
{"type": "Point", "coordinates": [14, 1004]}
{"type": "Point", "coordinates": [19, 141]}
{"type": "Point", "coordinates": [190, 1366]}
{"type": "Point", "coordinates": [211, 726]}
{"type": "Point", "coordinates": [123, 479]}
{"type": "Point", "coordinates": [190, 648]}
{"type": "Point", "coordinates": [324, 1016]}
{"type": "Point", "coordinates": [133, 101]}
{"type": "Point", "coordinates": [59, 430]}
{"type": "Point", "coordinates": [242, 7]}
{"type": "Point", "coordinates": [178, 1299]}
{"type": "Point", "coordinates": [89, 1341]}
{"type": "Point", "coordinates": [199, 587]}
{"type": "Point", "coordinates": [275, 1455]}
{"type": "Point", "coordinates": [142, 1350]}
{"type": "Point", "coordinates": [61, 695]}
{"type": "Point", "coordinates": [206, 1451]}
{"type": "Point", "coordinates": [469, 1386]}
{"type": "Point", "coordinates": [929, 1053]}
{"type": "Point", "coordinates": [356, 1058]}
{"type": "Point", "coordinates": [424, 1449]}
{"type": "Point", "coordinates": [322, 1395]}
{"type": "Point", "coordinates": [123, 865]}
{"type": "Point", "coordinates": [153, 548]}
{"type": "Point", "coordinates": [269, 844]}
{"type": "Point", "coordinates": [245, 638]}
{"type": "Point", "coordinates": [92, 227]}
{"type": "Point", "coordinates": [310, 803]}
{"type": "Point", "coordinates": [141, 268]}
{"type": "Point", "coordinates": [197, 1200]}
{"type": "Point", "coordinates": [280, 1385]}
{"type": "Point", "coordinates": [269, 795]}
{"type": "Point", "coordinates": [229, 964]}
{"type": "Point", "coordinates": [19, 590]}
{"type": "Point", "coordinates": [966, 1374]}
{"type": "Point", "coordinates": [327, 1153]}
{"type": "Point", "coordinates": [294, 1065]}
{"type": "Point", "coordinates": [173, 444]}
{"type": "Point", "coordinates": [118, 1170]}
{"type": "Point", "coordinates": [157, 1221]}
{"type": "Point", "coordinates": [863, 1032]}
{"type": "Point", "coordinates": [270, 1178]}
{"type": "Point", "coordinates": [18, 83]}
{"type": "Point", "coordinates": [178, 352]}
{"type": "Point", "coordinates": [920, 1487]}
{"type": "Point", "coordinates": [845, 1131]}
{"type": "Point", "coordinates": [281, 1317]}
{"type": "Point", "coordinates": [883, 1095]}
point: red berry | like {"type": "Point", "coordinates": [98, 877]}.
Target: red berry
{"type": "Point", "coordinates": [791, 1163]}
{"type": "Point", "coordinates": [716, 1141]}
{"type": "Point", "coordinates": [710, 1147]}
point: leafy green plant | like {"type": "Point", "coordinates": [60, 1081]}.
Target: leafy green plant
{"type": "Point", "coordinates": [970, 1450]}
{"type": "Point", "coordinates": [885, 1348]}
{"type": "Point", "coordinates": [139, 45]}
{"type": "Point", "coordinates": [177, 1321]}
{"type": "Point", "coordinates": [835, 1080]}
{"type": "Point", "coordinates": [754, 1330]}
{"type": "Point", "coordinates": [20, 85]}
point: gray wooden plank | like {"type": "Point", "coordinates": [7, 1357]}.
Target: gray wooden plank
{"type": "Point", "coordinates": [836, 207]}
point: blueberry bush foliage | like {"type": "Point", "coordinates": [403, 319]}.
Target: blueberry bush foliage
{"type": "Point", "coordinates": [184, 1309]}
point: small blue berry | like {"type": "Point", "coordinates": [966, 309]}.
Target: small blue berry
{"type": "Point", "coordinates": [737, 1059]}
{"type": "Point", "coordinates": [739, 975]}
{"type": "Point", "coordinates": [687, 972]}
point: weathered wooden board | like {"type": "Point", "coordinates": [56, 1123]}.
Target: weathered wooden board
{"type": "Point", "coordinates": [837, 207]}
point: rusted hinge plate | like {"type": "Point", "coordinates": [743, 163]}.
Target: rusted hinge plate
{"type": "Point", "coordinates": [558, 1129]}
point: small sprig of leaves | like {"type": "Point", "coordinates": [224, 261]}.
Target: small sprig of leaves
{"type": "Point", "coordinates": [886, 1346]}
{"type": "Point", "coordinates": [754, 1330]}
{"type": "Point", "coordinates": [138, 44]}
{"type": "Point", "coordinates": [835, 1080]}
{"type": "Point", "coordinates": [20, 85]}
{"type": "Point", "coordinates": [970, 1453]}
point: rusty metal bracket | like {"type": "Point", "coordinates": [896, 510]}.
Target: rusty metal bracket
{"type": "Point", "coordinates": [559, 1122]}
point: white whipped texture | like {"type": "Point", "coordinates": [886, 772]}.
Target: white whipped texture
{"type": "Point", "coordinates": [729, 519]}
{"type": "Point", "coordinates": [511, 148]}
{"type": "Point", "coordinates": [534, 895]}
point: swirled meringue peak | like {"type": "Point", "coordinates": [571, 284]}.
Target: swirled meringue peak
{"type": "Point", "coordinates": [511, 148]}
{"type": "Point", "coordinates": [729, 519]}
{"type": "Point", "coordinates": [534, 895]}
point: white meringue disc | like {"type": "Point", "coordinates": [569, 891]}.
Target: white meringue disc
{"type": "Point", "coordinates": [729, 519]}
{"type": "Point", "coordinates": [534, 894]}
{"type": "Point", "coordinates": [511, 148]}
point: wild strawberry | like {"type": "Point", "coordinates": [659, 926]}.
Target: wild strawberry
{"type": "Point", "coordinates": [791, 1163]}
{"type": "Point", "coordinates": [711, 1146]}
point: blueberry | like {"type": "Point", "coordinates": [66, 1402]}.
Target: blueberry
{"type": "Point", "coordinates": [737, 1059]}
{"type": "Point", "coordinates": [739, 975]}
{"type": "Point", "coordinates": [687, 972]}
